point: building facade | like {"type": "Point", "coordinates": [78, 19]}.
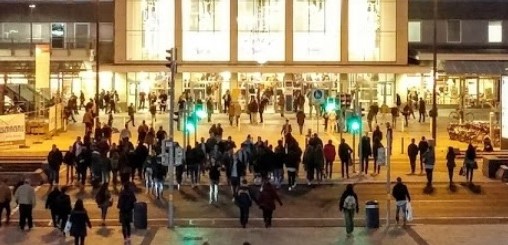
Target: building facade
{"type": "Point", "coordinates": [472, 45]}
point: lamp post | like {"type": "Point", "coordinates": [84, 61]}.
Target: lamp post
{"type": "Point", "coordinates": [32, 7]}
{"type": "Point", "coordinates": [97, 75]}
{"type": "Point", "coordinates": [434, 75]}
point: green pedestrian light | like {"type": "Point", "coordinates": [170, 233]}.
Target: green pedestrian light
{"type": "Point", "coordinates": [354, 124]}
{"type": "Point", "coordinates": [200, 113]}
{"type": "Point", "coordinates": [330, 104]}
{"type": "Point", "coordinates": [189, 127]}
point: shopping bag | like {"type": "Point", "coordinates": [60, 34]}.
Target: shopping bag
{"type": "Point", "coordinates": [462, 171]}
{"type": "Point", "coordinates": [68, 226]}
{"type": "Point", "coordinates": [409, 212]}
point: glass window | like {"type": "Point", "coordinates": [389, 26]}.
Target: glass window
{"type": "Point", "coordinates": [16, 32]}
{"type": "Point", "coordinates": [261, 25]}
{"type": "Point", "coordinates": [316, 30]}
{"type": "Point", "coordinates": [372, 30]}
{"type": "Point", "coordinates": [495, 31]}
{"type": "Point", "coordinates": [57, 35]}
{"type": "Point", "coordinates": [205, 30]}
{"type": "Point", "coordinates": [453, 31]}
{"type": "Point", "coordinates": [414, 31]}
{"type": "Point", "coordinates": [150, 29]}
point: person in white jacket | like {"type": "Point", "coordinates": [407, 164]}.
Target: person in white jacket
{"type": "Point", "coordinates": [25, 197]}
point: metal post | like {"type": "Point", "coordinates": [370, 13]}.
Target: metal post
{"type": "Point", "coordinates": [434, 74]}
{"type": "Point", "coordinates": [354, 150]}
{"type": "Point", "coordinates": [171, 139]}
{"type": "Point", "coordinates": [97, 32]}
{"type": "Point", "coordinates": [388, 184]}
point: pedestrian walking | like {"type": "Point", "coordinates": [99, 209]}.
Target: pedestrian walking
{"type": "Point", "coordinates": [365, 153]}
{"type": "Point", "coordinates": [130, 113]}
{"type": "Point", "coordinates": [125, 206]}
{"type": "Point", "coordinates": [330, 153]}
{"type": "Point", "coordinates": [51, 204]}
{"type": "Point", "coordinates": [429, 159]}
{"type": "Point", "coordinates": [300, 119]}
{"type": "Point", "coordinates": [345, 157]}
{"type": "Point", "coordinates": [159, 175]}
{"type": "Point", "coordinates": [209, 108]}
{"type": "Point", "coordinates": [214, 174]}
{"type": "Point", "coordinates": [266, 201]}
{"type": "Point", "coordinates": [402, 197]}
{"type": "Point", "coordinates": [421, 110]}
{"type": "Point", "coordinates": [25, 197]}
{"type": "Point", "coordinates": [104, 201]}
{"type": "Point", "coordinates": [5, 201]}
{"type": "Point", "coordinates": [319, 162]}
{"type": "Point", "coordinates": [179, 166]}
{"type": "Point", "coordinates": [423, 146]}
{"type": "Point", "coordinates": [348, 204]}
{"type": "Point", "coordinates": [69, 161]}
{"type": "Point", "coordinates": [243, 200]}
{"type": "Point", "coordinates": [308, 162]}
{"type": "Point", "coordinates": [470, 163]}
{"type": "Point", "coordinates": [286, 128]}
{"type": "Point", "coordinates": [79, 222]}
{"type": "Point", "coordinates": [450, 163]}
{"type": "Point", "coordinates": [412, 153]}
{"type": "Point", "coordinates": [55, 159]}
{"type": "Point", "coordinates": [153, 112]}
{"type": "Point", "coordinates": [227, 100]}
{"type": "Point", "coordinates": [114, 158]}
{"type": "Point", "coordinates": [380, 156]}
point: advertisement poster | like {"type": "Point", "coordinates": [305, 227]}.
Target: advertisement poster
{"type": "Point", "coordinates": [12, 129]}
{"type": "Point", "coordinates": [504, 107]}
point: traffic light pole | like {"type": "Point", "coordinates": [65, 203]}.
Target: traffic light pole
{"type": "Point", "coordinates": [171, 164]}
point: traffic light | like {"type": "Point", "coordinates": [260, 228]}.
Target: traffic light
{"type": "Point", "coordinates": [176, 116]}
{"type": "Point", "coordinates": [171, 58]}
{"type": "Point", "coordinates": [192, 120]}
{"type": "Point", "coordinates": [354, 124]}
{"type": "Point", "coordinates": [200, 111]}
{"type": "Point", "coordinates": [345, 100]}
{"type": "Point", "coordinates": [331, 105]}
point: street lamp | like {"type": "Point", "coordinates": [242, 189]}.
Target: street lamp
{"type": "Point", "coordinates": [31, 7]}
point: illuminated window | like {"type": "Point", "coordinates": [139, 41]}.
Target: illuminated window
{"type": "Point", "coordinates": [495, 31]}
{"type": "Point", "coordinates": [372, 30]}
{"type": "Point", "coordinates": [150, 29]}
{"type": "Point", "coordinates": [453, 31]}
{"type": "Point", "coordinates": [205, 30]}
{"type": "Point", "coordinates": [261, 25]}
{"type": "Point", "coordinates": [414, 31]}
{"type": "Point", "coordinates": [316, 30]}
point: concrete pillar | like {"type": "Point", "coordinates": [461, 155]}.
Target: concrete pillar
{"type": "Point", "coordinates": [233, 35]}
{"type": "Point", "coordinates": [289, 31]}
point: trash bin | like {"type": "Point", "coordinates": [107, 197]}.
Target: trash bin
{"type": "Point", "coordinates": [140, 215]}
{"type": "Point", "coordinates": [372, 214]}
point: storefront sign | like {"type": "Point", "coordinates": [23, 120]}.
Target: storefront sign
{"type": "Point", "coordinates": [12, 129]}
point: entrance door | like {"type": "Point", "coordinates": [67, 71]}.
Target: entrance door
{"type": "Point", "coordinates": [81, 35]}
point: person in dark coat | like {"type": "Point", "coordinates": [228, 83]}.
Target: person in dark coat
{"type": "Point", "coordinates": [377, 134]}
{"type": "Point", "coordinates": [300, 119]}
{"type": "Point", "coordinates": [55, 159]}
{"type": "Point", "coordinates": [450, 163]}
{"type": "Point", "coordinates": [69, 160]}
{"type": "Point", "coordinates": [308, 161]}
{"type": "Point", "coordinates": [345, 156]}
{"type": "Point", "coordinates": [349, 204]}
{"type": "Point", "coordinates": [423, 146]}
{"type": "Point", "coordinates": [266, 201]}
{"type": "Point", "coordinates": [421, 110]}
{"type": "Point", "coordinates": [52, 205]}
{"type": "Point", "coordinates": [80, 221]}
{"type": "Point", "coordinates": [125, 205]}
{"type": "Point", "coordinates": [141, 153]}
{"type": "Point", "coordinates": [365, 153]}
{"type": "Point", "coordinates": [243, 200]}
{"type": "Point", "coordinates": [64, 208]}
{"type": "Point", "coordinates": [412, 153]}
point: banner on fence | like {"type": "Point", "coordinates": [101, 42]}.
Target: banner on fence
{"type": "Point", "coordinates": [59, 119]}
{"type": "Point", "coordinates": [12, 129]}
{"type": "Point", "coordinates": [52, 120]}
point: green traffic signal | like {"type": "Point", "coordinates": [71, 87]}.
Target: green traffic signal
{"type": "Point", "coordinates": [200, 111]}
{"type": "Point", "coordinates": [330, 104]}
{"type": "Point", "coordinates": [355, 123]}
{"type": "Point", "coordinates": [189, 127]}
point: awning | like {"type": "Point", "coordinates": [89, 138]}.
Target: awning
{"type": "Point", "coordinates": [457, 67]}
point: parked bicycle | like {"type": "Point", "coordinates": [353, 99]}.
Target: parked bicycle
{"type": "Point", "coordinates": [456, 115]}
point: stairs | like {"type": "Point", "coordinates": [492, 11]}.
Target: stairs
{"type": "Point", "coordinates": [26, 95]}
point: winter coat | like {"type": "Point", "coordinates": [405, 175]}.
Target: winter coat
{"type": "Point", "coordinates": [344, 152]}
{"type": "Point", "coordinates": [365, 146]}
{"type": "Point", "coordinates": [55, 159]}
{"type": "Point", "coordinates": [51, 202]}
{"type": "Point", "coordinates": [423, 146]}
{"type": "Point", "coordinates": [412, 151]}
{"type": "Point", "coordinates": [345, 194]}
{"type": "Point", "coordinates": [79, 221]}
{"type": "Point", "coordinates": [267, 197]}
{"type": "Point", "coordinates": [377, 134]}
{"type": "Point", "coordinates": [329, 151]}
{"type": "Point", "coordinates": [69, 158]}
{"type": "Point", "coordinates": [319, 158]}
{"type": "Point", "coordinates": [400, 192]}
{"type": "Point", "coordinates": [300, 117]}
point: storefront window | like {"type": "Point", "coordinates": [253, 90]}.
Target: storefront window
{"type": "Point", "coordinates": [205, 30]}
{"type": "Point", "coordinates": [316, 27]}
{"type": "Point", "coordinates": [150, 29]}
{"type": "Point", "coordinates": [261, 25]}
{"type": "Point", "coordinates": [372, 30]}
{"type": "Point", "coordinates": [145, 82]}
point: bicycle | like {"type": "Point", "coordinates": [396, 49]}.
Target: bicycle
{"type": "Point", "coordinates": [454, 116]}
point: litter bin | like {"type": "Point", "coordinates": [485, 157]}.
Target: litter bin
{"type": "Point", "coordinates": [372, 214]}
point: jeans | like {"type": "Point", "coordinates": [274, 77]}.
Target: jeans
{"type": "Point", "coordinates": [469, 174]}
{"type": "Point", "coordinates": [412, 163]}
{"type": "Point", "coordinates": [328, 169]}
{"type": "Point", "coordinates": [267, 217]}
{"type": "Point", "coordinates": [105, 177]}
{"type": "Point", "coordinates": [291, 178]}
{"type": "Point", "coordinates": [82, 176]}
{"type": "Point", "coordinates": [450, 174]}
{"type": "Point", "coordinates": [7, 207]}
{"type": "Point", "coordinates": [79, 240]}
{"type": "Point", "coordinates": [70, 173]}
{"type": "Point", "coordinates": [54, 175]}
{"type": "Point", "coordinates": [25, 216]}
{"type": "Point", "coordinates": [346, 165]}
{"type": "Point", "coordinates": [365, 163]}
{"type": "Point", "coordinates": [214, 191]}
{"type": "Point", "coordinates": [126, 229]}
{"type": "Point", "coordinates": [401, 206]}
{"type": "Point", "coordinates": [277, 175]}
{"type": "Point", "coordinates": [104, 211]}
{"type": "Point", "coordinates": [158, 187]}
{"type": "Point", "coordinates": [244, 216]}
{"type": "Point", "coordinates": [349, 215]}
{"type": "Point", "coordinates": [194, 172]}
{"type": "Point", "coordinates": [429, 176]}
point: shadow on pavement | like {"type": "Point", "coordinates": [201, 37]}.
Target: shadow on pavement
{"type": "Point", "coordinates": [416, 237]}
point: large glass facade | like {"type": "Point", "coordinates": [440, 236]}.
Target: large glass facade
{"type": "Point", "coordinates": [205, 30]}
{"type": "Point", "coordinates": [316, 30]}
{"type": "Point", "coordinates": [261, 25]}
{"type": "Point", "coordinates": [372, 30]}
{"type": "Point", "coordinates": [150, 29]}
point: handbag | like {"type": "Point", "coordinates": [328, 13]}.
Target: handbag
{"type": "Point", "coordinates": [462, 171]}
{"type": "Point", "coordinates": [68, 226]}
{"type": "Point", "coordinates": [475, 165]}
{"type": "Point", "coordinates": [409, 212]}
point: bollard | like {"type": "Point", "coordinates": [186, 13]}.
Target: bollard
{"type": "Point", "coordinates": [401, 145]}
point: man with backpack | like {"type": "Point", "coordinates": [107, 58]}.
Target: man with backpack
{"type": "Point", "coordinates": [348, 204]}
{"type": "Point", "coordinates": [243, 200]}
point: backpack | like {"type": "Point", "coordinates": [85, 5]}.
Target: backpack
{"type": "Point", "coordinates": [243, 199]}
{"type": "Point", "coordinates": [349, 203]}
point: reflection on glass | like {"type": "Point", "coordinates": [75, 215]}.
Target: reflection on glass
{"type": "Point", "coordinates": [57, 35]}
{"type": "Point", "coordinates": [372, 30]}
{"type": "Point", "coordinates": [316, 26]}
{"type": "Point", "coordinates": [205, 30]}
{"type": "Point", "coordinates": [261, 30]}
{"type": "Point", "coordinates": [150, 29]}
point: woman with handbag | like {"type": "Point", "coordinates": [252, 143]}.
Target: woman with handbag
{"type": "Point", "coordinates": [470, 162]}
{"type": "Point", "coordinates": [450, 163]}
{"type": "Point", "coordinates": [78, 223]}
{"type": "Point", "coordinates": [104, 201]}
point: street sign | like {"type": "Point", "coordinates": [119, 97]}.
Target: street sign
{"type": "Point", "coordinates": [318, 96]}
